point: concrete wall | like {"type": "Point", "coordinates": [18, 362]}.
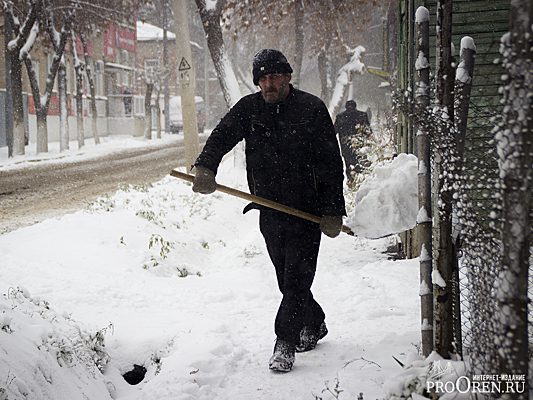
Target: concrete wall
{"type": "Point", "coordinates": [53, 128]}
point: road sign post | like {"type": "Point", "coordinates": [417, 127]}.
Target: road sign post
{"type": "Point", "coordinates": [186, 82]}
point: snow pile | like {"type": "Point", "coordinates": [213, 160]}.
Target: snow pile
{"type": "Point", "coordinates": [387, 200]}
{"type": "Point", "coordinates": [46, 355]}
{"type": "Point", "coordinates": [422, 377]}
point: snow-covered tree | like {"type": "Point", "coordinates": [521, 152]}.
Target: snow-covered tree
{"type": "Point", "coordinates": [211, 14]}
{"type": "Point", "coordinates": [328, 31]}
{"type": "Point", "coordinates": [24, 34]}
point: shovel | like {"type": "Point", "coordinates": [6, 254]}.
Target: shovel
{"type": "Point", "coordinates": [261, 201]}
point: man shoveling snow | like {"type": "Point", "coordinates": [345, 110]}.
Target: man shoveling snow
{"type": "Point", "coordinates": [292, 157]}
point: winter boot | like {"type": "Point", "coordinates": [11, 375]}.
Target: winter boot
{"type": "Point", "coordinates": [310, 336]}
{"type": "Point", "coordinates": [283, 357]}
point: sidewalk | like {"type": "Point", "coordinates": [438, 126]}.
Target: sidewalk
{"type": "Point", "coordinates": [108, 145]}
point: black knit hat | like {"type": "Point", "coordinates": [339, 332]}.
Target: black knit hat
{"type": "Point", "coordinates": [269, 61]}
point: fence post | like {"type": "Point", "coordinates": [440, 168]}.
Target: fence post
{"type": "Point", "coordinates": [423, 147]}
{"type": "Point", "coordinates": [463, 87]}
{"type": "Point", "coordinates": [443, 246]}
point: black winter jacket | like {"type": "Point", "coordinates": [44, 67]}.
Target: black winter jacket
{"type": "Point", "coordinates": [292, 153]}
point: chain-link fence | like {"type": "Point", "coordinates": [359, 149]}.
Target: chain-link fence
{"type": "Point", "coordinates": [492, 285]}
{"type": "Point", "coordinates": [494, 203]}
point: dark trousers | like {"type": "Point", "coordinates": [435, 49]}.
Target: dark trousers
{"type": "Point", "coordinates": [293, 244]}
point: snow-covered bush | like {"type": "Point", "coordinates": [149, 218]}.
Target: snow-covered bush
{"type": "Point", "coordinates": [45, 353]}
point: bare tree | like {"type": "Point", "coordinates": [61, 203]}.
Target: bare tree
{"type": "Point", "coordinates": [18, 49]}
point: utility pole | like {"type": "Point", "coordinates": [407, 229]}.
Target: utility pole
{"type": "Point", "coordinates": [187, 82]}
{"type": "Point", "coordinates": [166, 95]}
{"type": "Point", "coordinates": [9, 91]}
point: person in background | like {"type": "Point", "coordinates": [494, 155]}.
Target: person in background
{"type": "Point", "coordinates": [292, 157]}
{"type": "Point", "coordinates": [353, 128]}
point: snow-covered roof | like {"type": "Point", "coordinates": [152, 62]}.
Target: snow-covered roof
{"type": "Point", "coordinates": [118, 66]}
{"type": "Point", "coordinates": [146, 32]}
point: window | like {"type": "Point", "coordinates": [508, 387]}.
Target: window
{"type": "Point", "coordinates": [125, 57]}
{"type": "Point", "coordinates": [99, 78]}
{"type": "Point", "coordinates": [138, 105]}
{"type": "Point", "coordinates": [126, 78]}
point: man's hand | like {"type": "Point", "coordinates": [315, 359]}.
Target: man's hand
{"type": "Point", "coordinates": [331, 225]}
{"type": "Point", "coordinates": [204, 181]}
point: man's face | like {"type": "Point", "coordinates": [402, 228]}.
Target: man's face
{"type": "Point", "coordinates": [274, 87]}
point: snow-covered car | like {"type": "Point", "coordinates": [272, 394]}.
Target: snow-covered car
{"type": "Point", "coordinates": [176, 116]}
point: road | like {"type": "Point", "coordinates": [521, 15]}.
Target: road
{"type": "Point", "coordinates": [32, 194]}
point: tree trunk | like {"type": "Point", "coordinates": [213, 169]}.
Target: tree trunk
{"type": "Point", "coordinates": [215, 43]}
{"type": "Point", "coordinates": [79, 107]}
{"type": "Point", "coordinates": [92, 89]}
{"type": "Point", "coordinates": [42, 125]}
{"type": "Point", "coordinates": [18, 110]}
{"type": "Point", "coordinates": [299, 42]}
{"type": "Point", "coordinates": [323, 74]}
{"type": "Point", "coordinates": [78, 69]}
{"type": "Point", "coordinates": [424, 224]}
{"type": "Point", "coordinates": [63, 107]}
{"type": "Point", "coordinates": [158, 111]}
{"type": "Point", "coordinates": [18, 138]}
{"type": "Point", "coordinates": [443, 267]}
{"type": "Point", "coordinates": [148, 111]}
{"type": "Point", "coordinates": [41, 113]}
{"type": "Point", "coordinates": [8, 33]}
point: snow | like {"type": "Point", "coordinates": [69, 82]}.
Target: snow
{"type": "Point", "coordinates": [387, 201]}
{"type": "Point", "coordinates": [467, 43]}
{"type": "Point", "coordinates": [424, 254]}
{"type": "Point", "coordinates": [182, 284]}
{"type": "Point", "coordinates": [462, 74]}
{"type": "Point", "coordinates": [424, 289]}
{"type": "Point", "coordinates": [146, 32]}
{"type": "Point", "coordinates": [437, 279]}
{"type": "Point", "coordinates": [230, 80]}
{"type": "Point", "coordinates": [108, 145]}
{"type": "Point", "coordinates": [211, 5]}
{"type": "Point", "coordinates": [421, 61]}
{"type": "Point", "coordinates": [422, 216]}
{"type": "Point", "coordinates": [422, 15]}
{"type": "Point", "coordinates": [354, 65]}
{"type": "Point", "coordinates": [422, 167]}
{"type": "Point", "coordinates": [25, 50]}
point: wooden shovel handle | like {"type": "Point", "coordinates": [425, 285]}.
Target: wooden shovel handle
{"type": "Point", "coordinates": [260, 200]}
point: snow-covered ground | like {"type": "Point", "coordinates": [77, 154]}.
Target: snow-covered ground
{"type": "Point", "coordinates": [182, 284]}
{"type": "Point", "coordinates": [108, 145]}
